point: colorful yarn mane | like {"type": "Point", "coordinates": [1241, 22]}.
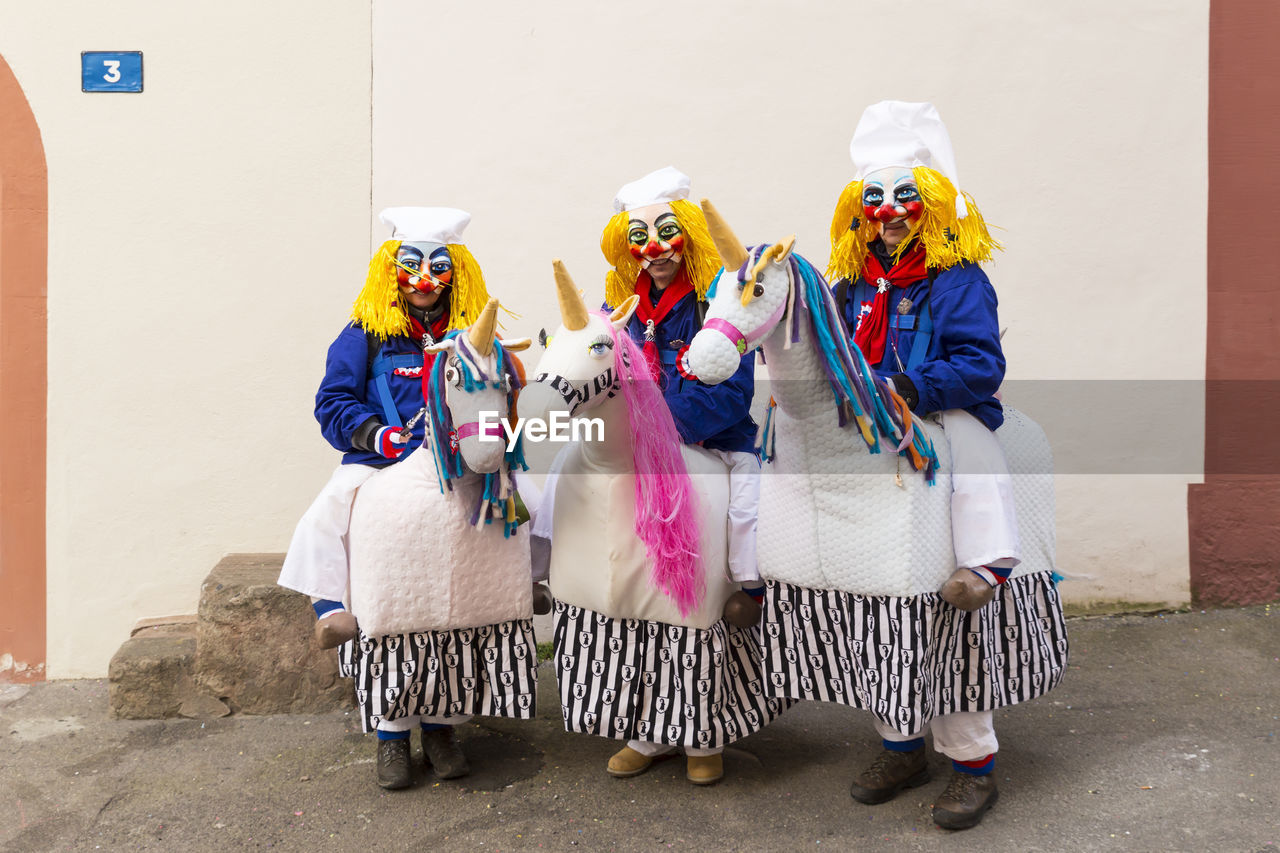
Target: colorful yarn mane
{"type": "Point", "coordinates": [861, 396]}
{"type": "Point", "coordinates": [666, 517]}
{"type": "Point", "coordinates": [497, 500]}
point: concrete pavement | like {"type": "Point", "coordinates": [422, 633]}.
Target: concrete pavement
{"type": "Point", "coordinates": [1161, 737]}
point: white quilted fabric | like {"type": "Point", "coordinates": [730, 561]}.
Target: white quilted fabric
{"type": "Point", "coordinates": [1031, 465]}
{"type": "Point", "coordinates": [832, 517]}
{"type": "Point", "coordinates": [418, 565]}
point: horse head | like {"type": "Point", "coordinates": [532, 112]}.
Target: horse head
{"type": "Point", "coordinates": [580, 364]}
{"type": "Point", "coordinates": [470, 392]}
{"type": "Point", "coordinates": [750, 297]}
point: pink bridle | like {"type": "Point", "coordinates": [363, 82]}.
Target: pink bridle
{"type": "Point", "coordinates": [473, 428]}
{"type": "Point", "coordinates": [743, 342]}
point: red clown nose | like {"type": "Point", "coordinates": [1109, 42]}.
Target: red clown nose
{"type": "Point", "coordinates": [887, 213]}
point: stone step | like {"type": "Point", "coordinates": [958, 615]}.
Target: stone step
{"type": "Point", "coordinates": [249, 649]}
{"type": "Point", "coordinates": [151, 675]}
{"type": "Point", "coordinates": [255, 648]}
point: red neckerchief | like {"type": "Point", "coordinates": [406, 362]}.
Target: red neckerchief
{"type": "Point", "coordinates": [874, 328]}
{"type": "Point", "coordinates": [418, 332]}
{"type": "Point", "coordinates": [648, 313]}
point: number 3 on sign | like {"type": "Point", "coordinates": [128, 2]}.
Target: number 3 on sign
{"type": "Point", "coordinates": [111, 71]}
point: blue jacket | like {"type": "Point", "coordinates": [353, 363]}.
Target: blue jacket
{"type": "Point", "coordinates": [964, 364]}
{"type": "Point", "coordinates": [716, 416]}
{"type": "Point", "coordinates": [348, 395]}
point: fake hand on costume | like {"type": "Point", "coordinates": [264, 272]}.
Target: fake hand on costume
{"type": "Point", "coordinates": [967, 590]}
{"type": "Point", "coordinates": [389, 442]}
{"type": "Point", "coordinates": [542, 599]}
{"type": "Point", "coordinates": [335, 624]}
{"type": "Point", "coordinates": [742, 609]}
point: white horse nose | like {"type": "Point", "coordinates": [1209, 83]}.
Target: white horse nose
{"type": "Point", "coordinates": [539, 400]}
{"type": "Point", "coordinates": [712, 357]}
{"type": "Point", "coordinates": [483, 457]}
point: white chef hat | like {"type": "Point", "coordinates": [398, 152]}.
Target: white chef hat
{"type": "Point", "coordinates": [898, 133]}
{"type": "Point", "coordinates": [666, 184]}
{"type": "Point", "coordinates": [426, 224]}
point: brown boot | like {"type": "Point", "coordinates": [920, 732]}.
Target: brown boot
{"type": "Point", "coordinates": [442, 750]}
{"type": "Point", "coordinates": [889, 774]}
{"type": "Point", "coordinates": [626, 763]}
{"type": "Point", "coordinates": [394, 770]}
{"type": "Point", "coordinates": [965, 800]}
{"type": "Point", "coordinates": [704, 769]}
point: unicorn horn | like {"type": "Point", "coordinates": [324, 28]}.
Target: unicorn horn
{"type": "Point", "coordinates": [573, 311]}
{"type": "Point", "coordinates": [727, 244]}
{"type": "Point", "coordinates": [482, 330]}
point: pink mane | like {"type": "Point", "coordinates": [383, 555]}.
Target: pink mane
{"type": "Point", "coordinates": [666, 510]}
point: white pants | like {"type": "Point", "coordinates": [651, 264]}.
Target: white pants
{"type": "Point", "coordinates": [649, 748]}
{"type": "Point", "coordinates": [744, 506]}
{"type": "Point", "coordinates": [984, 524]}
{"type": "Point", "coordinates": [962, 736]}
{"type": "Point", "coordinates": [316, 564]}
{"type": "Point", "coordinates": [407, 724]}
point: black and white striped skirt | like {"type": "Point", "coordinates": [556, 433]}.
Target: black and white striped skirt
{"type": "Point", "coordinates": [651, 681]}
{"type": "Point", "coordinates": [487, 671]}
{"type": "Point", "coordinates": [910, 659]}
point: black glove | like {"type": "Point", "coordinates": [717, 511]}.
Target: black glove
{"type": "Point", "coordinates": [906, 389]}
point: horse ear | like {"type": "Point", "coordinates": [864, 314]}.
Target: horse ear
{"type": "Point", "coordinates": [434, 349]}
{"type": "Point", "coordinates": [517, 344]}
{"type": "Point", "coordinates": [622, 314]}
{"type": "Point", "coordinates": [785, 249]}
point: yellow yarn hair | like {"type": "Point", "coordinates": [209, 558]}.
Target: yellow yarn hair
{"type": "Point", "coordinates": [700, 260]}
{"type": "Point", "coordinates": [947, 241]}
{"type": "Point", "coordinates": [469, 294]}
{"type": "Point", "coordinates": [380, 307]}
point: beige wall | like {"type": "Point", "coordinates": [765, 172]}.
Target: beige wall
{"type": "Point", "coordinates": [207, 237]}
{"type": "Point", "coordinates": [203, 238]}
{"type": "Point", "coordinates": [1080, 129]}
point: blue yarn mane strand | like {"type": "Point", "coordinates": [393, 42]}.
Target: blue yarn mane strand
{"type": "Point", "coordinates": [854, 385]}
{"type": "Point", "coordinates": [448, 461]}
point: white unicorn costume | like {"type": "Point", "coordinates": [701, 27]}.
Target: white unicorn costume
{"type": "Point", "coordinates": [439, 569]}
{"type": "Point", "coordinates": [642, 651]}
{"type": "Point", "coordinates": [444, 610]}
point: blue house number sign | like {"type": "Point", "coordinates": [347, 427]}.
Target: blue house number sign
{"type": "Point", "coordinates": [111, 71]}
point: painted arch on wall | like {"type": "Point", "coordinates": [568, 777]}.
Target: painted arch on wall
{"type": "Point", "coordinates": [24, 217]}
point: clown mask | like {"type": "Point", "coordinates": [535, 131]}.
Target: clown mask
{"type": "Point", "coordinates": [656, 240]}
{"type": "Point", "coordinates": [423, 270]}
{"type": "Point", "coordinates": [891, 199]}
